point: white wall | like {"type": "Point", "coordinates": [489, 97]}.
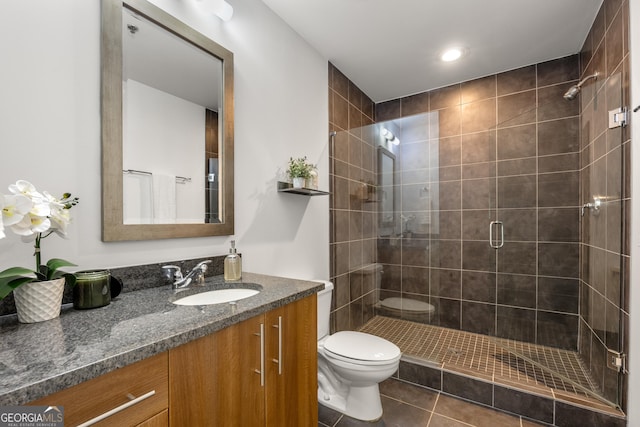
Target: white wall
{"type": "Point", "coordinates": [634, 315]}
{"type": "Point", "coordinates": [50, 134]}
{"type": "Point", "coordinates": [165, 135]}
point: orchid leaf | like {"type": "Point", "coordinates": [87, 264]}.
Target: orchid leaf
{"type": "Point", "coordinates": [15, 271]}
{"type": "Point", "coordinates": [51, 269]}
{"type": "Point", "coordinates": [14, 277]}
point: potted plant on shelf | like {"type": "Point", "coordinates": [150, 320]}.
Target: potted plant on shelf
{"type": "Point", "coordinates": [35, 216]}
{"type": "Point", "coordinates": [299, 170]}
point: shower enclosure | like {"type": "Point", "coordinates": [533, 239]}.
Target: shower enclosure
{"type": "Point", "coordinates": [497, 213]}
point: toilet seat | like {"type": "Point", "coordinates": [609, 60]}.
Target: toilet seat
{"type": "Point", "coordinates": [360, 348]}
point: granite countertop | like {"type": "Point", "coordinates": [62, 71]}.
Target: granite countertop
{"type": "Point", "coordinates": [42, 358]}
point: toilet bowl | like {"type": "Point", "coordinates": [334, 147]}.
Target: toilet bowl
{"type": "Point", "coordinates": [350, 366]}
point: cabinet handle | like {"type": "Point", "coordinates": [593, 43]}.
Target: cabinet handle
{"type": "Point", "coordinates": [279, 359]}
{"type": "Point", "coordinates": [118, 409]}
{"type": "Point", "coordinates": [261, 371]}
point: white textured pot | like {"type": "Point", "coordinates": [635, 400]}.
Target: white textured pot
{"type": "Point", "coordinates": [39, 301]}
{"type": "Point", "coordinates": [298, 182]}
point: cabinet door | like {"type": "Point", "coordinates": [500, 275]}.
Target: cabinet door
{"type": "Point", "coordinates": [291, 358]}
{"type": "Point", "coordinates": [216, 380]}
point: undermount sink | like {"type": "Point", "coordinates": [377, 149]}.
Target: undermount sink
{"type": "Point", "coordinates": [217, 296]}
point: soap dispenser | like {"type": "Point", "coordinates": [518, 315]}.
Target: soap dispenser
{"type": "Point", "coordinates": [233, 264]}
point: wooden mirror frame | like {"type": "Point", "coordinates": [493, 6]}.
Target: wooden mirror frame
{"type": "Point", "coordinates": [113, 228]}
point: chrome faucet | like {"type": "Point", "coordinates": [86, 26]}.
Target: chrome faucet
{"type": "Point", "coordinates": [178, 281]}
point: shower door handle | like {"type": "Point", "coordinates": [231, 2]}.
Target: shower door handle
{"type": "Point", "coordinates": [492, 227]}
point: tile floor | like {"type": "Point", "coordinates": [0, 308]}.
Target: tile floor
{"type": "Point", "coordinates": [529, 365]}
{"type": "Point", "coordinates": [407, 405]}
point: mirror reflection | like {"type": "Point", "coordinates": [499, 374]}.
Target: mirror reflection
{"type": "Point", "coordinates": [167, 127]}
{"type": "Point", "coordinates": [386, 191]}
{"type": "Point", "coordinates": [171, 105]}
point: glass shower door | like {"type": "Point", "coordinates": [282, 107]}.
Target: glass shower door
{"type": "Point", "coordinates": [604, 194]}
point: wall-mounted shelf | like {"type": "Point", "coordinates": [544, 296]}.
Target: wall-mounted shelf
{"type": "Point", "coordinates": [285, 187]}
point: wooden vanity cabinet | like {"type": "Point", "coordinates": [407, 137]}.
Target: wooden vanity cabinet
{"type": "Point", "coordinates": [260, 372]}
{"type": "Point", "coordinates": [136, 395]}
{"type": "Point", "coordinates": [291, 397]}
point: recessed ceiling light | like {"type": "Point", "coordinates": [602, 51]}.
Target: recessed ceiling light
{"type": "Point", "coordinates": [451, 54]}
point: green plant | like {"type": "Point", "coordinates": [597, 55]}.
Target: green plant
{"type": "Point", "coordinates": [299, 168]}
{"type": "Point", "coordinates": [34, 216]}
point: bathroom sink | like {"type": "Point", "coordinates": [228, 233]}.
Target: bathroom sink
{"type": "Point", "coordinates": [217, 296]}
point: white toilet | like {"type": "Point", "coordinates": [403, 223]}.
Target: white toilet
{"type": "Point", "coordinates": [350, 366]}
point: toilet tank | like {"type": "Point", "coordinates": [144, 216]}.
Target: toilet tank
{"type": "Point", "coordinates": [324, 308]}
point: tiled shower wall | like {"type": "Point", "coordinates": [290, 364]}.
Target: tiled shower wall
{"type": "Point", "coordinates": [508, 150]}
{"type": "Point", "coordinates": [605, 175]}
{"type": "Point", "coordinates": [353, 218]}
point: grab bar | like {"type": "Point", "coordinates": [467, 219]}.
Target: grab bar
{"type": "Point", "coordinates": [500, 243]}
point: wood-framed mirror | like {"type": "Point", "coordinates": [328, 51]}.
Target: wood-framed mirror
{"type": "Point", "coordinates": [167, 132]}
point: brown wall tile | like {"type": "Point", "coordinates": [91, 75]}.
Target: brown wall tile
{"type": "Point", "coordinates": [415, 104]}
{"type": "Point", "coordinates": [449, 96]}
{"type": "Point", "coordinates": [558, 71]}
{"type": "Point", "coordinates": [516, 142]}
{"type": "Point", "coordinates": [479, 286]}
{"type": "Point", "coordinates": [479, 89]}
{"type": "Point", "coordinates": [517, 109]}
{"type": "Point", "coordinates": [388, 110]}
{"type": "Point", "coordinates": [516, 324]}
{"type": "Point", "coordinates": [478, 116]}
{"type": "Point", "coordinates": [517, 80]}
{"type": "Point", "coordinates": [559, 136]}
{"type": "Point", "coordinates": [478, 147]}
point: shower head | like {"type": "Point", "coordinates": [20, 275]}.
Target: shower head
{"type": "Point", "coordinates": [575, 89]}
{"type": "Point", "coordinates": [572, 93]}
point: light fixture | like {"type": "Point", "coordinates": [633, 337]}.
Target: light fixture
{"type": "Point", "coordinates": [386, 134]}
{"type": "Point", "coordinates": [220, 8]}
{"type": "Point", "coordinates": [451, 54]}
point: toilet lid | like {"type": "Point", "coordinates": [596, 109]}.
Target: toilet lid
{"type": "Point", "coordinates": [361, 346]}
{"type": "Point", "coordinates": [407, 304]}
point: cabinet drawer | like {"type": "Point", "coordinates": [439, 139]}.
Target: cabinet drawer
{"type": "Point", "coordinates": [113, 391]}
{"type": "Point", "coordinates": [160, 420]}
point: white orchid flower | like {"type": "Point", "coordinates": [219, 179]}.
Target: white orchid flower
{"type": "Point", "coordinates": [31, 224]}
{"type": "Point", "coordinates": [35, 220]}
{"type": "Point", "coordinates": [26, 189]}
{"type": "Point", "coordinates": [60, 216]}
{"type": "Point", "coordinates": [13, 208]}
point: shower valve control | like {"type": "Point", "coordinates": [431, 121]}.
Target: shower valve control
{"type": "Point", "coordinates": [592, 206]}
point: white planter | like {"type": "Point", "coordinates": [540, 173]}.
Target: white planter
{"type": "Point", "coordinates": [39, 301]}
{"type": "Point", "coordinates": [298, 182]}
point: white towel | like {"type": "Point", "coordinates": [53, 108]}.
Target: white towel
{"type": "Point", "coordinates": [164, 199]}
{"type": "Point", "coordinates": [137, 199]}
